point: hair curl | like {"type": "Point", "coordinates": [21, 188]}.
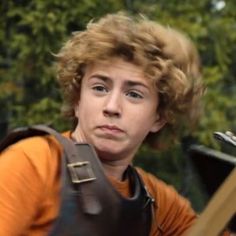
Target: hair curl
{"type": "Point", "coordinates": [166, 56]}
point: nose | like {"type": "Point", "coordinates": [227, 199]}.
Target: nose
{"type": "Point", "coordinates": [112, 106]}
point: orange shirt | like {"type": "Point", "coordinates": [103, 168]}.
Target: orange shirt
{"type": "Point", "coordinates": [30, 187]}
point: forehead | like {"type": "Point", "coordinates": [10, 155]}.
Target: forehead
{"type": "Point", "coordinates": [117, 68]}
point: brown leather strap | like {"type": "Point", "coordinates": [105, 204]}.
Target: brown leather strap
{"type": "Point", "coordinates": [80, 167]}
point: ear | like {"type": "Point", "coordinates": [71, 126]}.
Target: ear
{"type": "Point", "coordinates": [158, 124]}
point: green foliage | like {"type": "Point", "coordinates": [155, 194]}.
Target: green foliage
{"type": "Point", "coordinates": [31, 31]}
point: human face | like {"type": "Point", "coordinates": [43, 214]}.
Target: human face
{"type": "Point", "coordinates": [117, 109]}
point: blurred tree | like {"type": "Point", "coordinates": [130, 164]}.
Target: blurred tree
{"type": "Point", "coordinates": [211, 25]}
{"type": "Point", "coordinates": [31, 31]}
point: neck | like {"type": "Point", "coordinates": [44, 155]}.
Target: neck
{"type": "Point", "coordinates": [78, 136]}
{"type": "Point", "coordinates": [114, 169]}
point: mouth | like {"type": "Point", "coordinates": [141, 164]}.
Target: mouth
{"type": "Point", "coordinates": [111, 128]}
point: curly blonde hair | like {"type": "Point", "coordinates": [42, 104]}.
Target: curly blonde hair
{"type": "Point", "coordinates": [166, 56]}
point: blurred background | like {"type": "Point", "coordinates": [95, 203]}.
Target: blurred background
{"type": "Point", "coordinates": [31, 30]}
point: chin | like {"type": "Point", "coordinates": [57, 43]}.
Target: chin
{"type": "Point", "coordinates": [110, 149]}
{"type": "Point", "coordinates": [106, 153]}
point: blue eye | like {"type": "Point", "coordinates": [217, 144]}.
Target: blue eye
{"type": "Point", "coordinates": [134, 94]}
{"type": "Point", "coordinates": [99, 88]}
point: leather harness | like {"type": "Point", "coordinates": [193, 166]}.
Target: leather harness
{"type": "Point", "coordinates": [89, 203]}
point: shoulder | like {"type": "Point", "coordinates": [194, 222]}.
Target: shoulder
{"type": "Point", "coordinates": [174, 212]}
{"type": "Point", "coordinates": [29, 182]}
{"type": "Point", "coordinates": [40, 154]}
{"type": "Point", "coordinates": [156, 186]}
{"type": "Point", "coordinates": [36, 146]}
{"type": "Point", "coordinates": [164, 193]}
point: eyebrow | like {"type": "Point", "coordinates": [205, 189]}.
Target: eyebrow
{"type": "Point", "coordinates": [130, 83]}
{"type": "Point", "coordinates": [101, 77]}
{"type": "Point", "coordinates": [136, 83]}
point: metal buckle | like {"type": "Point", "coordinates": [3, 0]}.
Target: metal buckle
{"type": "Point", "coordinates": [74, 174]}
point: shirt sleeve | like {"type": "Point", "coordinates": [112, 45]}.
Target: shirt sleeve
{"type": "Point", "coordinates": [175, 213]}
{"type": "Point", "coordinates": [21, 189]}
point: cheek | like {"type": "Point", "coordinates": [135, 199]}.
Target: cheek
{"type": "Point", "coordinates": [141, 123]}
{"type": "Point", "coordinates": [144, 115]}
{"type": "Point", "coordinates": [87, 109]}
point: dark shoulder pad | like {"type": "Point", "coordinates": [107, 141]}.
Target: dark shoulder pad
{"type": "Point", "coordinates": [24, 132]}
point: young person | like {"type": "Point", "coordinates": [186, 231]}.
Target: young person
{"type": "Point", "coordinates": [125, 81]}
